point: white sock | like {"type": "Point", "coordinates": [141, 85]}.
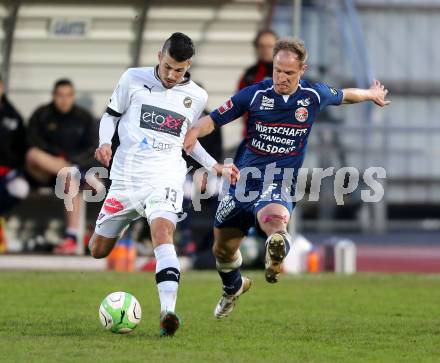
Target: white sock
{"type": "Point", "coordinates": [18, 187]}
{"type": "Point", "coordinates": [72, 232]}
{"type": "Point", "coordinates": [167, 275]}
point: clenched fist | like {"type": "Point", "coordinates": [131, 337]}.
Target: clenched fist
{"type": "Point", "coordinates": [228, 171]}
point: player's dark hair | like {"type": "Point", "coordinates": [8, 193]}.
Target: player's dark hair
{"type": "Point", "coordinates": [261, 33]}
{"type": "Point", "coordinates": [62, 82]}
{"type": "Point", "coordinates": [179, 46]}
{"type": "Point", "coordinates": [294, 45]}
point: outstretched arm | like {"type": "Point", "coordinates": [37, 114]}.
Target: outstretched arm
{"type": "Point", "coordinates": [376, 93]}
{"type": "Point", "coordinates": [200, 128]}
{"type": "Point", "coordinates": [229, 111]}
{"type": "Point", "coordinates": [199, 154]}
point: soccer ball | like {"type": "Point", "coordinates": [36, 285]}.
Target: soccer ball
{"type": "Point", "coordinates": [120, 312]}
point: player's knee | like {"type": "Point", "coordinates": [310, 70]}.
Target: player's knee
{"type": "Point", "coordinates": [98, 252]}
{"type": "Point", "coordinates": [98, 248]}
{"type": "Point", "coordinates": [222, 253]}
{"type": "Point", "coordinates": [271, 223]}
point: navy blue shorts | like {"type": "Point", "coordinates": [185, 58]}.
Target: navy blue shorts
{"type": "Point", "coordinates": [233, 213]}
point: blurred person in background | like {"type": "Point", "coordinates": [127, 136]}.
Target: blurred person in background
{"type": "Point", "coordinates": [263, 68]}
{"type": "Point", "coordinates": [61, 134]}
{"type": "Point", "coordinates": [13, 186]}
{"type": "Point", "coordinates": [263, 43]}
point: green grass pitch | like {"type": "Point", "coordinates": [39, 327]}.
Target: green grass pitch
{"type": "Point", "coordinates": [53, 317]}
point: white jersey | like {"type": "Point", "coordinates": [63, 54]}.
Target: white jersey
{"type": "Point", "coordinates": [152, 127]}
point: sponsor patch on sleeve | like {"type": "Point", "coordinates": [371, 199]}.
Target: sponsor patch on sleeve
{"type": "Point", "coordinates": [225, 107]}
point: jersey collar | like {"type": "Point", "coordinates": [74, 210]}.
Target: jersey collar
{"type": "Point", "coordinates": [294, 94]}
{"type": "Point", "coordinates": [186, 77]}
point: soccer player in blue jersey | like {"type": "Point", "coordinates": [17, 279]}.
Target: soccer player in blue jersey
{"type": "Point", "coordinates": [281, 114]}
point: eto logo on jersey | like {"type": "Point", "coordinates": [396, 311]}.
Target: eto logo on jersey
{"type": "Point", "coordinates": [159, 119]}
{"type": "Point", "coordinates": [225, 107]}
{"type": "Point", "coordinates": [301, 114]}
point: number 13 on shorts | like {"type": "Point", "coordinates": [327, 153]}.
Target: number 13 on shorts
{"type": "Point", "coordinates": [171, 194]}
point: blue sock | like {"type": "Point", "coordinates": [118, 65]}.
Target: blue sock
{"type": "Point", "coordinates": [231, 281]}
{"type": "Point", "coordinates": [70, 234]}
{"type": "Point", "coordinates": [287, 244]}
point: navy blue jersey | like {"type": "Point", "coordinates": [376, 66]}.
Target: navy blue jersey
{"type": "Point", "coordinates": [278, 126]}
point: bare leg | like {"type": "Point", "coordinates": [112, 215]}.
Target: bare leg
{"type": "Point", "coordinates": [162, 231]}
{"type": "Point", "coordinates": [101, 246]}
{"type": "Point", "coordinates": [273, 218]}
{"type": "Point", "coordinates": [42, 165]}
{"type": "Point", "coordinates": [226, 244]}
{"type": "Point", "coordinates": [72, 217]}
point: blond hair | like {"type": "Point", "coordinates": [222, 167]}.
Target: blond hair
{"type": "Point", "coordinates": [294, 45]}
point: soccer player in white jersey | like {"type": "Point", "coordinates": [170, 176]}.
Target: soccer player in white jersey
{"type": "Point", "coordinates": [154, 106]}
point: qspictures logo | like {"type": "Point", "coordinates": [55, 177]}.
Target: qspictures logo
{"type": "Point", "coordinates": [159, 119]}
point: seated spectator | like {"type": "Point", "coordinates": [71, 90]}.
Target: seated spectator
{"type": "Point", "coordinates": [61, 134]}
{"type": "Point", "coordinates": [13, 186]}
